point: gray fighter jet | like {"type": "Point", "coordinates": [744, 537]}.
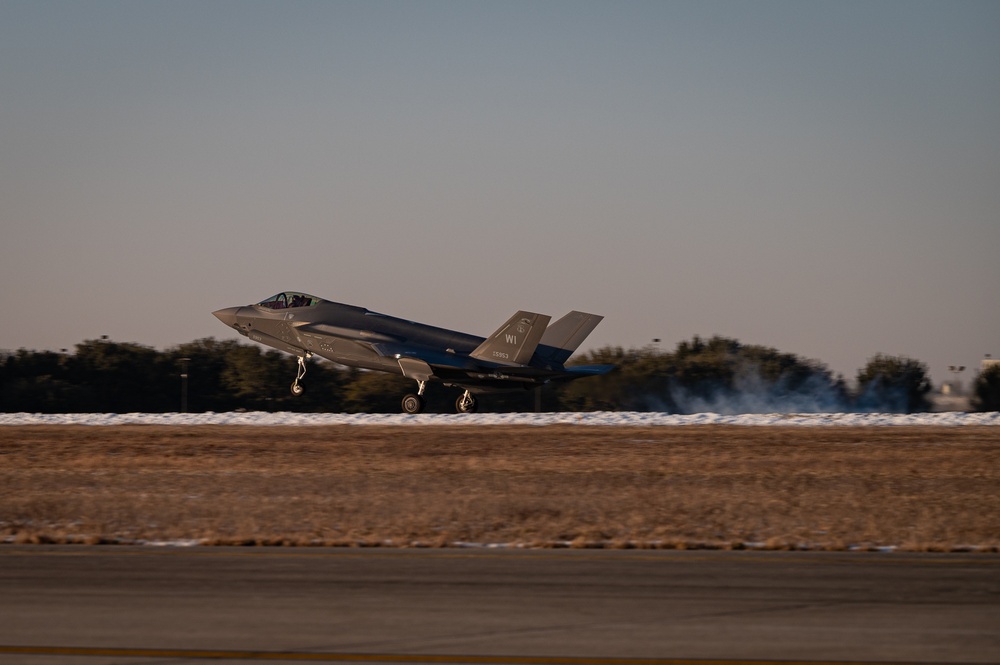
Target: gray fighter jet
{"type": "Point", "coordinates": [523, 353]}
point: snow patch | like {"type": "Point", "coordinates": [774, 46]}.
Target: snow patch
{"type": "Point", "coordinates": [602, 418]}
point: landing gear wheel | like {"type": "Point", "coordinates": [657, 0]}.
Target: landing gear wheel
{"type": "Point", "coordinates": [467, 403]}
{"type": "Point", "coordinates": [296, 388]}
{"type": "Point", "coordinates": [413, 404]}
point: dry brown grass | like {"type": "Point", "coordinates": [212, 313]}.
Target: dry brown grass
{"type": "Point", "coordinates": [922, 488]}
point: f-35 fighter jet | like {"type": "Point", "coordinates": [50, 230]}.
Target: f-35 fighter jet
{"type": "Point", "coordinates": [523, 353]}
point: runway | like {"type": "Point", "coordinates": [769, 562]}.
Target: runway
{"type": "Point", "coordinates": [67, 605]}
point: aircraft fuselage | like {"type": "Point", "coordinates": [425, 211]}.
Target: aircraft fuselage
{"type": "Point", "coordinates": [525, 352]}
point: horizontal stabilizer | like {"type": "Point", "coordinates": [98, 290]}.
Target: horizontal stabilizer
{"type": "Point", "coordinates": [590, 370]}
{"type": "Point", "coordinates": [515, 341]}
{"type": "Point", "coordinates": [542, 374]}
{"type": "Point", "coordinates": [566, 335]}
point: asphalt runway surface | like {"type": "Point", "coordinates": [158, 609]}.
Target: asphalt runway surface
{"type": "Point", "coordinates": [116, 605]}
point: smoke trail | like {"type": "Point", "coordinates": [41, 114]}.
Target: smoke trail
{"type": "Point", "coordinates": [749, 392]}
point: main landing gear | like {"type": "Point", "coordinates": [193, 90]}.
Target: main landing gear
{"type": "Point", "coordinates": [413, 404]}
{"type": "Point", "coordinates": [296, 388]}
{"type": "Point", "coordinates": [466, 403]}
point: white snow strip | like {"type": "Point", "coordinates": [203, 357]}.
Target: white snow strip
{"type": "Point", "coordinates": [604, 418]}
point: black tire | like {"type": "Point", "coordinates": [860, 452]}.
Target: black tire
{"type": "Point", "coordinates": [466, 404]}
{"type": "Point", "coordinates": [413, 404]}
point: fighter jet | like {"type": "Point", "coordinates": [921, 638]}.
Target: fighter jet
{"type": "Point", "coordinates": [525, 352]}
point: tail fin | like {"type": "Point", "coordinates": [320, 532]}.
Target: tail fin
{"type": "Point", "coordinates": [566, 335]}
{"type": "Point", "coordinates": [515, 341]}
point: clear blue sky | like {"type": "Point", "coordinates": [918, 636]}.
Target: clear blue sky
{"type": "Point", "coordinates": [820, 177]}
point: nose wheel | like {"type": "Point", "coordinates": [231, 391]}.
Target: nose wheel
{"type": "Point", "coordinates": [296, 388]}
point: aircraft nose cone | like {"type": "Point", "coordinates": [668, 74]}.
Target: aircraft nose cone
{"type": "Point", "coordinates": [227, 315]}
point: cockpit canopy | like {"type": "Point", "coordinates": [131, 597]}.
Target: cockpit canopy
{"type": "Point", "coordinates": [288, 300]}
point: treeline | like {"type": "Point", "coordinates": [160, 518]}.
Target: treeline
{"type": "Point", "coordinates": [719, 374]}
{"type": "Point", "coordinates": [722, 375]}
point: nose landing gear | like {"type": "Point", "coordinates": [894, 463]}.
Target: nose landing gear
{"type": "Point", "coordinates": [296, 388]}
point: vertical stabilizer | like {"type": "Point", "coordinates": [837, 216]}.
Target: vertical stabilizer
{"type": "Point", "coordinates": [515, 341]}
{"type": "Point", "coordinates": [566, 335]}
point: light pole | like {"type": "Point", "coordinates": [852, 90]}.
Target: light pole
{"type": "Point", "coordinates": [184, 383]}
{"type": "Point", "coordinates": [956, 370]}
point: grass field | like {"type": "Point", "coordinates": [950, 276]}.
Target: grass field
{"type": "Point", "coordinates": [919, 488]}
